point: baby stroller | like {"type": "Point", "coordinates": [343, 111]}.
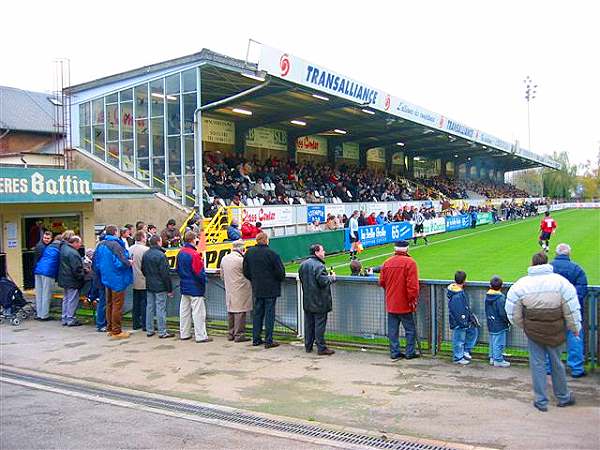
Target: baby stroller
{"type": "Point", "coordinates": [13, 306]}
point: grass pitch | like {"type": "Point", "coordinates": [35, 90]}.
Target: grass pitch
{"type": "Point", "coordinates": [503, 249]}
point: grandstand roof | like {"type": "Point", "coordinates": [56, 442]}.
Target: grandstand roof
{"type": "Point", "coordinates": [325, 101]}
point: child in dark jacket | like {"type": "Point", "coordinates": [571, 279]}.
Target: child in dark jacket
{"type": "Point", "coordinates": [497, 322]}
{"type": "Point", "coordinates": [463, 322]}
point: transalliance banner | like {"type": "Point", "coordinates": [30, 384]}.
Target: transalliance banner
{"type": "Point", "coordinates": [269, 216]}
{"type": "Point", "coordinates": [315, 213]}
{"type": "Point", "coordinates": [297, 70]}
{"type": "Point", "coordinates": [374, 235]}
{"type": "Point", "coordinates": [458, 222]}
{"type": "Point", "coordinates": [433, 226]}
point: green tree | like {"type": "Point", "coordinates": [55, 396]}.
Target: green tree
{"type": "Point", "coordinates": [560, 183]}
{"type": "Point", "coordinates": [590, 180]}
{"type": "Point", "coordinates": [529, 180]}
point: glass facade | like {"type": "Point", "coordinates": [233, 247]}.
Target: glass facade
{"type": "Point", "coordinates": [147, 130]}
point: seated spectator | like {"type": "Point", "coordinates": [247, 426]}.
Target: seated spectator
{"type": "Point", "coordinates": [233, 232]}
{"type": "Point", "coordinates": [372, 220]}
{"type": "Point", "coordinates": [315, 226]}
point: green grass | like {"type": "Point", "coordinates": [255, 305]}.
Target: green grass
{"type": "Point", "coordinates": [504, 249]}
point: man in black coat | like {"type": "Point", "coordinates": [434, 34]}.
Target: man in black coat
{"type": "Point", "coordinates": [155, 268]}
{"type": "Point", "coordinates": [70, 278]}
{"type": "Point", "coordinates": [316, 289]}
{"type": "Point", "coordinates": [264, 268]}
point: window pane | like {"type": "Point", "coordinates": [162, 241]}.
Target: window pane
{"type": "Point", "coordinates": [141, 101]}
{"type": "Point", "coordinates": [174, 153]}
{"type": "Point", "coordinates": [127, 156]}
{"type": "Point", "coordinates": [127, 120]}
{"type": "Point", "coordinates": [173, 115]}
{"type": "Point", "coordinates": [189, 80]}
{"type": "Point", "coordinates": [112, 122]}
{"type": "Point", "coordinates": [84, 127]}
{"type": "Point", "coordinates": [143, 169]}
{"type": "Point", "coordinates": [99, 144]}
{"type": "Point", "coordinates": [98, 111]}
{"type": "Point", "coordinates": [113, 154]}
{"type": "Point", "coordinates": [188, 179]}
{"type": "Point", "coordinates": [141, 129]}
{"type": "Point", "coordinates": [172, 83]}
{"type": "Point", "coordinates": [112, 98]}
{"type": "Point", "coordinates": [157, 97]}
{"type": "Point", "coordinates": [127, 95]}
{"type": "Point", "coordinates": [158, 154]}
{"type": "Point", "coordinates": [189, 106]}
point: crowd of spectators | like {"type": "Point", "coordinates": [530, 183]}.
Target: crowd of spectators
{"type": "Point", "coordinates": [276, 182]}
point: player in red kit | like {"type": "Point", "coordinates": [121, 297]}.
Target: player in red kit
{"type": "Point", "coordinates": [547, 227]}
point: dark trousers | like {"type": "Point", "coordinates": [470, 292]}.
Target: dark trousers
{"type": "Point", "coordinates": [114, 310]}
{"type": "Point", "coordinates": [264, 311]}
{"type": "Point", "coordinates": [138, 315]}
{"type": "Point", "coordinates": [237, 325]}
{"type": "Point", "coordinates": [410, 330]}
{"type": "Point", "coordinates": [314, 330]}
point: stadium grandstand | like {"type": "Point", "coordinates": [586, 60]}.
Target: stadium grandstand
{"type": "Point", "coordinates": [282, 131]}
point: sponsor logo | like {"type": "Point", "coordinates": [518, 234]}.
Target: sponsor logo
{"type": "Point", "coordinates": [284, 64]}
{"type": "Point", "coordinates": [388, 102]}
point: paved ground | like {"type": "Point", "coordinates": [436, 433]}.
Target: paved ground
{"type": "Point", "coordinates": [35, 419]}
{"type": "Point", "coordinates": [432, 398]}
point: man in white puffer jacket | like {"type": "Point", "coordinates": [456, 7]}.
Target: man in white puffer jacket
{"type": "Point", "coordinates": [545, 304]}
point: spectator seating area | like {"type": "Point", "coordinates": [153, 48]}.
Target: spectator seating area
{"type": "Point", "coordinates": [230, 179]}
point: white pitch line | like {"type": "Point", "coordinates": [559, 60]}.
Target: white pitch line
{"type": "Point", "coordinates": [445, 240]}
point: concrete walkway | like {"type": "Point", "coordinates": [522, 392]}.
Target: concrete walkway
{"type": "Point", "coordinates": [426, 398]}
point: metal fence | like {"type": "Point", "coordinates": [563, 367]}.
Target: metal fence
{"type": "Point", "coordinates": [359, 319]}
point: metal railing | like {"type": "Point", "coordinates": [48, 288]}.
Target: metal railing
{"type": "Point", "coordinates": [359, 319]}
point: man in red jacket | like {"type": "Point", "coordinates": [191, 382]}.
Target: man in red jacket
{"type": "Point", "coordinates": [400, 280]}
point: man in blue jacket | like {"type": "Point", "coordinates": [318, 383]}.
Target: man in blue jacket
{"type": "Point", "coordinates": [563, 265]}
{"type": "Point", "coordinates": [113, 267]}
{"type": "Point", "coordinates": [46, 271]}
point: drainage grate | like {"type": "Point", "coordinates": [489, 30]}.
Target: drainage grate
{"type": "Point", "coordinates": [234, 417]}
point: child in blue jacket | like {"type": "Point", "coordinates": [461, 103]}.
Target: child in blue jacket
{"type": "Point", "coordinates": [497, 322]}
{"type": "Point", "coordinates": [463, 322]}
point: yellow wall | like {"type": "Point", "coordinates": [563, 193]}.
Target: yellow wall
{"type": "Point", "coordinates": [13, 213]}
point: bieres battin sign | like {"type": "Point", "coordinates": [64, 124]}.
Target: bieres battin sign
{"type": "Point", "coordinates": [18, 185]}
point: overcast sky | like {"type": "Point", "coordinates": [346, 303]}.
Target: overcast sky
{"type": "Point", "coordinates": [464, 59]}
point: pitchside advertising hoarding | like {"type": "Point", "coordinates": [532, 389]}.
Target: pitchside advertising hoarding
{"type": "Point", "coordinates": [289, 67]}
{"type": "Point", "coordinates": [269, 216]}
{"type": "Point", "coordinates": [373, 235]}
{"type": "Point", "coordinates": [458, 222]}
{"type": "Point", "coordinates": [315, 213]}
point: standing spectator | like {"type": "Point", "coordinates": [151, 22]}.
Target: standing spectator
{"type": "Point", "coordinates": [156, 271]}
{"type": "Point", "coordinates": [36, 232]}
{"type": "Point", "coordinates": [70, 278]}
{"type": "Point", "coordinates": [98, 290]}
{"type": "Point", "coordinates": [372, 220]}
{"type": "Point", "coordinates": [353, 233]}
{"type": "Point", "coordinates": [46, 271]}
{"type": "Point", "coordinates": [563, 265]}
{"type": "Point", "coordinates": [190, 268]}
{"type": "Point", "coordinates": [238, 292]}
{"type": "Point", "coordinates": [137, 252]}
{"type": "Point", "coordinates": [473, 215]}
{"type": "Point", "coordinates": [140, 226]}
{"type": "Point", "coordinates": [170, 236]}
{"type": "Point", "coordinates": [400, 280]}
{"type": "Point", "coordinates": [124, 236]}
{"type": "Point", "coordinates": [129, 235]}
{"type": "Point", "coordinates": [233, 232]}
{"type": "Point", "coordinates": [263, 267]}
{"type": "Point", "coordinates": [381, 218]}
{"type": "Point", "coordinates": [362, 220]}
{"type": "Point", "coordinates": [114, 267]}
{"type": "Point", "coordinates": [545, 305]}
{"type": "Point", "coordinates": [497, 322]}
{"type": "Point", "coordinates": [316, 286]}
{"type": "Point", "coordinates": [41, 246]}
{"type": "Point", "coordinates": [152, 231]}
{"type": "Point", "coordinates": [463, 322]}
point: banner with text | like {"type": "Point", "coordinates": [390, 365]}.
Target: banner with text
{"type": "Point", "coordinates": [315, 145]}
{"type": "Point", "coordinates": [433, 226]}
{"type": "Point", "coordinates": [270, 138]}
{"type": "Point", "coordinates": [373, 235]}
{"type": "Point", "coordinates": [458, 222]}
{"type": "Point", "coordinates": [269, 216]}
{"type": "Point", "coordinates": [218, 131]}
{"type": "Point", "coordinates": [315, 213]}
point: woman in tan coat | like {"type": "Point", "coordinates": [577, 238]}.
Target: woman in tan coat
{"type": "Point", "coordinates": [238, 292]}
